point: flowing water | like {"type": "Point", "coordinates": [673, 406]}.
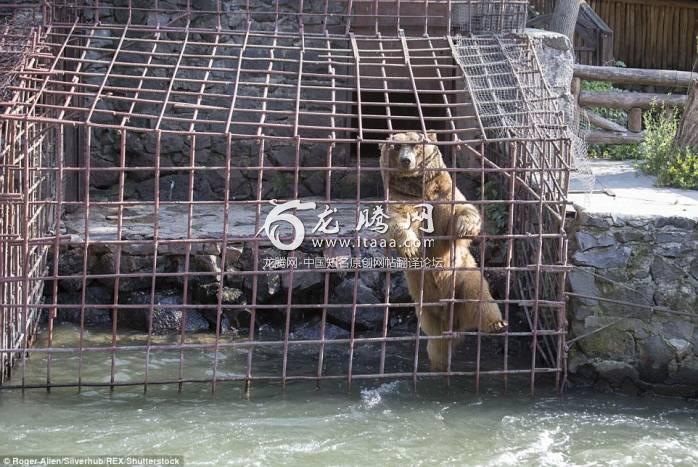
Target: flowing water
{"type": "Point", "coordinates": [374, 422]}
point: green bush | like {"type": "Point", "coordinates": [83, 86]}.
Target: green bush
{"type": "Point", "coordinates": [615, 152]}
{"type": "Point", "coordinates": [496, 214]}
{"type": "Point", "coordinates": [673, 166]}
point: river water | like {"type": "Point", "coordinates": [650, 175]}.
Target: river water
{"type": "Point", "coordinates": [374, 422]}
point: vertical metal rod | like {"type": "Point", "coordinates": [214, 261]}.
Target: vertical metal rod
{"type": "Point", "coordinates": [328, 196]}
{"type": "Point", "coordinates": [510, 255]}
{"type": "Point", "coordinates": [356, 54]}
{"type": "Point", "coordinates": [481, 286]}
{"type": "Point", "coordinates": [386, 190]}
{"type": "Point", "coordinates": [258, 206]}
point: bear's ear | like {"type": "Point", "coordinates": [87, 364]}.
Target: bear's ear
{"type": "Point", "coordinates": [381, 147]}
{"type": "Point", "coordinates": [431, 136]}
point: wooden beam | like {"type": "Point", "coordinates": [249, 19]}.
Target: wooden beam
{"type": "Point", "coordinates": [668, 78]}
{"type": "Point", "coordinates": [602, 122]}
{"type": "Point", "coordinates": [629, 100]}
{"type": "Point", "coordinates": [611, 137]}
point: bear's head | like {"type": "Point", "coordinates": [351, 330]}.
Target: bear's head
{"type": "Point", "coordinates": [409, 152]}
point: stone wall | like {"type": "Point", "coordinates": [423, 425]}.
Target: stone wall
{"type": "Point", "coordinates": [648, 260]}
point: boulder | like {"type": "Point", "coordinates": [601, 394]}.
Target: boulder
{"type": "Point", "coordinates": [167, 319]}
{"type": "Point", "coordinates": [367, 318]}
{"type": "Point", "coordinates": [93, 317]}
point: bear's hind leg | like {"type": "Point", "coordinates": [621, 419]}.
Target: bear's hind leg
{"type": "Point", "coordinates": [433, 325]}
{"type": "Point", "coordinates": [484, 315]}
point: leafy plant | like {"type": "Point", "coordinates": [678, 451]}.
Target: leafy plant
{"type": "Point", "coordinates": [660, 156]}
{"type": "Point", "coordinates": [615, 152]}
{"type": "Point", "coordinates": [496, 214]}
{"type": "Point", "coordinates": [610, 151]}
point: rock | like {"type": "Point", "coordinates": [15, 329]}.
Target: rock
{"type": "Point", "coordinates": [93, 317]}
{"type": "Point", "coordinates": [616, 372]}
{"type": "Point", "coordinates": [70, 263]}
{"type": "Point", "coordinates": [370, 183]}
{"type": "Point", "coordinates": [231, 318]}
{"type": "Point", "coordinates": [587, 241]}
{"type": "Point", "coordinates": [367, 318]}
{"type": "Point", "coordinates": [556, 55]}
{"type": "Point", "coordinates": [102, 178]}
{"type": "Point", "coordinates": [628, 235]}
{"type": "Point", "coordinates": [143, 265]}
{"type": "Point", "coordinates": [681, 295]}
{"type": "Point", "coordinates": [673, 249]}
{"type": "Point", "coordinates": [268, 283]}
{"type": "Point", "coordinates": [310, 330]}
{"type": "Point", "coordinates": [663, 270]}
{"type": "Point", "coordinates": [680, 346]}
{"type": "Point", "coordinates": [686, 372]}
{"type": "Point", "coordinates": [584, 283]}
{"type": "Point", "coordinates": [680, 328]}
{"type": "Point", "coordinates": [304, 277]}
{"type": "Point", "coordinates": [672, 236]}
{"type": "Point", "coordinates": [588, 220]}
{"type": "Point", "coordinates": [683, 223]}
{"type": "Point", "coordinates": [166, 320]}
{"type": "Point", "coordinates": [603, 258]}
{"type": "Point", "coordinates": [399, 293]}
{"type": "Point", "coordinates": [693, 268]}
{"type": "Point", "coordinates": [655, 356]}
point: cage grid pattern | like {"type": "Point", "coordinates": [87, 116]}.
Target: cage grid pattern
{"type": "Point", "coordinates": [157, 142]}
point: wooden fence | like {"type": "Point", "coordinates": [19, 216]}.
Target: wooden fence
{"type": "Point", "coordinates": [634, 103]}
{"type": "Point", "coordinates": [657, 34]}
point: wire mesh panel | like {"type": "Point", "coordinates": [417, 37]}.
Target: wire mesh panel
{"type": "Point", "coordinates": [244, 193]}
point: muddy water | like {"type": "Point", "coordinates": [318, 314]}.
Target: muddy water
{"type": "Point", "coordinates": [386, 422]}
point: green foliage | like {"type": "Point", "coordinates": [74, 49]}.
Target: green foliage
{"type": "Point", "coordinates": [497, 214]}
{"type": "Point", "coordinates": [615, 152]}
{"type": "Point", "coordinates": [660, 156]}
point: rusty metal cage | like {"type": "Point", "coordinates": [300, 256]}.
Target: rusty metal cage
{"type": "Point", "coordinates": [144, 148]}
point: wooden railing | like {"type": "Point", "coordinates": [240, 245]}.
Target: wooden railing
{"type": "Point", "coordinates": [634, 103]}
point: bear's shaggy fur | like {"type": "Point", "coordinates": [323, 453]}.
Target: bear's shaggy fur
{"type": "Point", "coordinates": [419, 178]}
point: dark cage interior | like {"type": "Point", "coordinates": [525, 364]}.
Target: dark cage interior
{"type": "Point", "coordinates": [149, 151]}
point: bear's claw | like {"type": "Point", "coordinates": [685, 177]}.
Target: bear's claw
{"type": "Point", "coordinates": [410, 251]}
{"type": "Point", "coordinates": [498, 326]}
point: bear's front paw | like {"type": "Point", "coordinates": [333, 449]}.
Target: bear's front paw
{"type": "Point", "coordinates": [409, 247]}
{"type": "Point", "coordinates": [498, 326]}
{"type": "Point", "coordinates": [467, 226]}
{"type": "Point", "coordinates": [410, 251]}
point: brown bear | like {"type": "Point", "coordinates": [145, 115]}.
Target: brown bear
{"type": "Point", "coordinates": [410, 153]}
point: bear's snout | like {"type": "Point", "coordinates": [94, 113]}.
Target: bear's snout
{"type": "Point", "coordinates": [407, 157]}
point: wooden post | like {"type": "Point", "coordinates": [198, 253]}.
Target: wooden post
{"type": "Point", "coordinates": [635, 120]}
{"type": "Point", "coordinates": [576, 88]}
